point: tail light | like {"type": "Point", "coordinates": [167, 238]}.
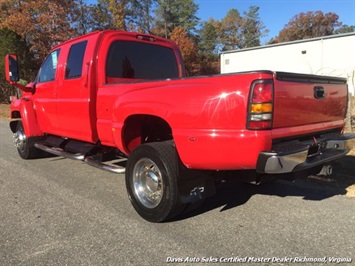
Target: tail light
{"type": "Point", "coordinates": [260, 109]}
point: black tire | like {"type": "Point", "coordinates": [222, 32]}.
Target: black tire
{"type": "Point", "coordinates": [152, 173]}
{"type": "Point", "coordinates": [25, 145]}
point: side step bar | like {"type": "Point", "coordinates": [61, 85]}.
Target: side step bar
{"type": "Point", "coordinates": [111, 166]}
{"type": "Point", "coordinates": [60, 152]}
{"type": "Point", "coordinates": [106, 166]}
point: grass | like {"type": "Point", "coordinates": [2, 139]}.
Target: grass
{"type": "Point", "coordinates": [4, 111]}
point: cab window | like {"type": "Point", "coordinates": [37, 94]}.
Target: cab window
{"type": "Point", "coordinates": [74, 65]}
{"type": "Point", "coordinates": [127, 60]}
{"type": "Point", "coordinates": [49, 67]}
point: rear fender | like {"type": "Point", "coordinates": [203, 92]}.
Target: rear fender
{"type": "Point", "coordinates": [28, 116]}
{"type": "Point", "coordinates": [131, 105]}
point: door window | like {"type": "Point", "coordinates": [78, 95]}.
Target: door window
{"type": "Point", "coordinates": [49, 67]}
{"type": "Point", "coordinates": [75, 60]}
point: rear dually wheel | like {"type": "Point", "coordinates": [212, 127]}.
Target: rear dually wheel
{"type": "Point", "coordinates": [152, 172]}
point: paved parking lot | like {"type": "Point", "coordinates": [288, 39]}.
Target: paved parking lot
{"type": "Point", "coordinates": [57, 211]}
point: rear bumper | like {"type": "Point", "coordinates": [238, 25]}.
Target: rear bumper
{"type": "Point", "coordinates": [295, 156]}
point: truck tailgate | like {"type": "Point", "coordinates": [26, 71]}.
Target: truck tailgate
{"type": "Point", "coordinates": [301, 99]}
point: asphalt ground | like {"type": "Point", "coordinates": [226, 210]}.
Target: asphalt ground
{"type": "Point", "coordinates": [57, 211]}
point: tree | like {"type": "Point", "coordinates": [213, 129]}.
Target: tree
{"type": "Point", "coordinates": [309, 25]}
{"type": "Point", "coordinates": [229, 30]}
{"type": "Point", "coordinates": [187, 48]}
{"type": "Point", "coordinates": [140, 15]}
{"type": "Point", "coordinates": [12, 43]}
{"type": "Point", "coordinates": [41, 23]}
{"type": "Point", "coordinates": [131, 15]}
{"type": "Point", "coordinates": [208, 37]}
{"type": "Point", "coordinates": [175, 13]}
{"type": "Point", "coordinates": [117, 8]}
{"type": "Point", "coordinates": [345, 29]}
{"type": "Point", "coordinates": [108, 14]}
{"type": "Point", "coordinates": [252, 28]}
{"type": "Point", "coordinates": [207, 44]}
{"type": "Point", "coordinates": [83, 21]}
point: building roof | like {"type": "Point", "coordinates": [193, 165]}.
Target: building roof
{"type": "Point", "coordinates": [290, 43]}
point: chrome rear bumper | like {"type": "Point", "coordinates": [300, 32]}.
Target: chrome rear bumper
{"type": "Point", "coordinates": [295, 156]}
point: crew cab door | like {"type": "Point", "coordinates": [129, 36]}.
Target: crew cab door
{"type": "Point", "coordinates": [46, 93]}
{"type": "Point", "coordinates": [75, 104]}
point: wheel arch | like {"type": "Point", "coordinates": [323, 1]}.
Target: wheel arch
{"type": "Point", "coordinates": [27, 115]}
{"type": "Point", "coordinates": [144, 128]}
{"type": "Point", "coordinates": [13, 124]}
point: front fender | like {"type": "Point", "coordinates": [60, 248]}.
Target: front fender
{"type": "Point", "coordinates": [28, 116]}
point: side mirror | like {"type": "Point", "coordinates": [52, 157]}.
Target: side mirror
{"type": "Point", "coordinates": [11, 68]}
{"type": "Point", "coordinates": [12, 74]}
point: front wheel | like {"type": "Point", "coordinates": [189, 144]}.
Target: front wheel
{"type": "Point", "coordinates": [25, 145]}
{"type": "Point", "coordinates": [152, 172]}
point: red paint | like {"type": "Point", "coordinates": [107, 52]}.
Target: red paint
{"type": "Point", "coordinates": [207, 115]}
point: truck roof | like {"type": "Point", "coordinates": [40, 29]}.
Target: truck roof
{"type": "Point", "coordinates": [121, 32]}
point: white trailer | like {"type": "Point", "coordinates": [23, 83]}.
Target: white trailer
{"type": "Point", "coordinates": [331, 56]}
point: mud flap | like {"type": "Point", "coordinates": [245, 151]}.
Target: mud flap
{"type": "Point", "coordinates": [196, 187]}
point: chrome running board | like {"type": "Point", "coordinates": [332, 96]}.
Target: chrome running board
{"type": "Point", "coordinates": [93, 160]}
{"type": "Point", "coordinates": [59, 152]}
{"type": "Point", "coordinates": [107, 166]}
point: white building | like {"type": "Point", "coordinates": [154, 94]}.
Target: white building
{"type": "Point", "coordinates": [331, 56]}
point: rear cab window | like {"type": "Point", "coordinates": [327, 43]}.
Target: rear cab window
{"type": "Point", "coordinates": [128, 60]}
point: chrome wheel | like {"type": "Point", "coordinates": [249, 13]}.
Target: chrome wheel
{"type": "Point", "coordinates": [152, 172]}
{"type": "Point", "coordinates": [148, 183]}
{"type": "Point", "coordinates": [20, 140]}
{"type": "Point", "coordinates": [25, 144]}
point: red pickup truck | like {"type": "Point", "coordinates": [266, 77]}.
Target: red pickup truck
{"type": "Point", "coordinates": [122, 102]}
